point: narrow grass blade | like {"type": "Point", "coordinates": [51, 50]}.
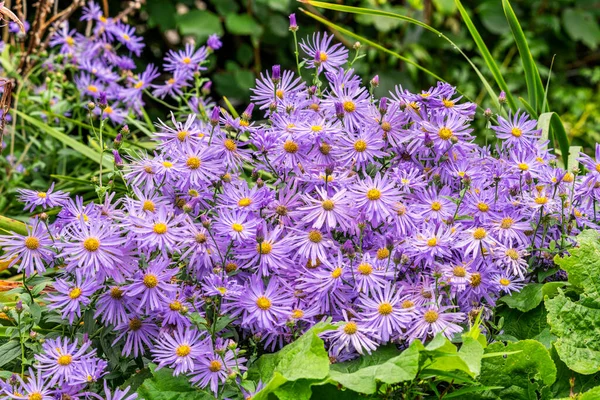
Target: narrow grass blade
{"type": "Point", "coordinates": [554, 130]}
{"type": "Point", "coordinates": [535, 89]}
{"type": "Point", "coordinates": [545, 107]}
{"type": "Point", "coordinates": [487, 56]}
{"type": "Point", "coordinates": [380, 13]}
{"type": "Point", "coordinates": [67, 140]}
{"type": "Point", "coordinates": [12, 225]}
{"type": "Point", "coordinates": [230, 107]}
{"type": "Point", "coordinates": [528, 107]}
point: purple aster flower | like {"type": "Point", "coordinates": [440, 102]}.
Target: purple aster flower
{"type": "Point", "coordinates": [152, 286]}
{"type": "Point", "coordinates": [262, 307]}
{"type": "Point", "coordinates": [382, 311]}
{"type": "Point", "coordinates": [376, 197]}
{"type": "Point", "coordinates": [159, 230]}
{"type": "Point", "coordinates": [270, 255]}
{"type": "Point", "coordinates": [65, 38]}
{"type": "Point", "coordinates": [507, 283]}
{"type": "Point", "coordinates": [60, 357]}
{"type": "Point", "coordinates": [431, 320]}
{"type": "Point", "coordinates": [312, 245]}
{"type": "Point", "coordinates": [188, 60]}
{"type": "Point", "coordinates": [31, 252]}
{"type": "Point", "coordinates": [332, 211]}
{"type": "Point", "coordinates": [236, 224]}
{"type": "Point", "coordinates": [351, 336]}
{"type": "Point", "coordinates": [322, 54]}
{"type": "Point", "coordinates": [35, 388]}
{"type": "Point", "coordinates": [518, 130]}
{"type": "Point", "coordinates": [126, 35]}
{"type": "Point", "coordinates": [179, 350]}
{"type": "Point", "coordinates": [212, 369]}
{"type": "Point", "coordinates": [71, 297]}
{"type": "Point", "coordinates": [112, 306]}
{"type": "Point", "coordinates": [118, 394]}
{"type": "Point", "coordinates": [47, 199]}
{"type": "Point", "coordinates": [138, 333]}
{"type": "Point", "coordinates": [214, 42]}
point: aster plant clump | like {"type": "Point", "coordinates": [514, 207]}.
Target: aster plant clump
{"type": "Point", "coordinates": [320, 202]}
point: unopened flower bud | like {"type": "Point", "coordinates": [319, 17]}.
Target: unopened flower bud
{"type": "Point", "coordinates": [19, 307]}
{"type": "Point", "coordinates": [356, 46]}
{"type": "Point", "coordinates": [102, 101]}
{"type": "Point", "coordinates": [276, 74]}
{"type": "Point", "coordinates": [125, 130]}
{"type": "Point", "coordinates": [206, 88]}
{"type": "Point", "coordinates": [260, 183]}
{"type": "Point", "coordinates": [375, 81]}
{"type": "Point", "coordinates": [118, 159]}
{"type": "Point", "coordinates": [43, 216]}
{"type": "Point", "coordinates": [339, 110]}
{"type": "Point", "coordinates": [260, 233]}
{"type": "Point", "coordinates": [383, 105]}
{"type": "Point", "coordinates": [487, 113]}
{"type": "Point", "coordinates": [91, 105]}
{"type": "Point", "coordinates": [502, 97]}
{"type": "Point", "coordinates": [205, 221]}
{"type": "Point", "coordinates": [348, 249]}
{"type": "Point", "coordinates": [214, 116]}
{"type": "Point", "coordinates": [247, 114]}
{"type": "Point", "coordinates": [293, 24]}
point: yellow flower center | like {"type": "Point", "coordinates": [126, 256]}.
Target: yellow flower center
{"type": "Point", "coordinates": [432, 242]}
{"type": "Point", "coordinates": [325, 148]}
{"type": "Point", "coordinates": [139, 85]}
{"type": "Point", "coordinates": [182, 135]}
{"type": "Point", "coordinates": [383, 253]}
{"type": "Point", "coordinates": [187, 60]}
{"type": "Point", "coordinates": [297, 313]}
{"type": "Point", "coordinates": [408, 304]}
{"type": "Point", "coordinates": [244, 202]}
{"type": "Point", "coordinates": [459, 272]}
{"type": "Point", "coordinates": [448, 103]}
{"type": "Point", "coordinates": [374, 194]}
{"type": "Point", "coordinates": [92, 88]}
{"type": "Point", "coordinates": [91, 244]}
{"type": "Point", "coordinates": [279, 93]}
{"type": "Point", "coordinates": [42, 195]}
{"type": "Point", "coordinates": [315, 236]}
{"type": "Point", "coordinates": [126, 37]}
{"type": "Point", "coordinates": [475, 279]}
{"type": "Point", "coordinates": [193, 162]}
{"type": "Point", "coordinates": [436, 206]}
{"type": "Point", "coordinates": [506, 223]}
{"type": "Point", "coordinates": [263, 303]}
{"type": "Point", "coordinates": [323, 56]}
{"type": "Point", "coordinates": [70, 41]}
{"type": "Point", "coordinates": [75, 293]}
{"type": "Point", "coordinates": [360, 145]}
{"type": "Point", "coordinates": [598, 167]}
{"type": "Point", "coordinates": [148, 206]}
{"type": "Point", "coordinates": [385, 309]}
{"type": "Point", "coordinates": [349, 106]}
{"type": "Point", "coordinates": [160, 228]}
{"type": "Point", "coordinates": [175, 306]}
{"type": "Point", "coordinates": [516, 132]}
{"type": "Point", "coordinates": [108, 110]}
{"type": "Point", "coordinates": [350, 328]}
{"type": "Point", "coordinates": [512, 253]}
{"type": "Point", "coordinates": [479, 233]}
{"type": "Point", "coordinates": [215, 366]}
{"type": "Point", "coordinates": [32, 243]}
{"type": "Point", "coordinates": [36, 396]}
{"type": "Point", "coordinates": [150, 281]}
{"type": "Point", "coordinates": [237, 227]}
{"type": "Point", "coordinates": [483, 207]}
{"type": "Point", "coordinates": [445, 133]}
{"type": "Point", "coordinates": [523, 166]}
{"type": "Point", "coordinates": [170, 81]}
{"type": "Point", "coordinates": [541, 200]}
{"type": "Point", "coordinates": [316, 128]}
{"type": "Point", "coordinates": [183, 350]}
{"type": "Point", "coordinates": [336, 273]}
{"type": "Point", "coordinates": [64, 360]}
{"type": "Point", "coordinates": [167, 164]}
{"type": "Point", "coordinates": [327, 205]}
{"type": "Point", "coordinates": [222, 290]}
{"type": "Point", "coordinates": [230, 145]}
{"type": "Point", "coordinates": [264, 248]}
{"type": "Point", "coordinates": [504, 282]}
{"type": "Point", "coordinates": [386, 126]}
{"type": "Point", "coordinates": [365, 269]}
{"type": "Point", "coordinates": [569, 177]}
{"type": "Point", "coordinates": [290, 147]}
{"type": "Point", "coordinates": [116, 293]}
{"type": "Point", "coordinates": [431, 316]}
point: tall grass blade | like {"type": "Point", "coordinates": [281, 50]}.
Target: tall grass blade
{"type": "Point", "coordinates": [487, 56]}
{"type": "Point", "coordinates": [528, 107]}
{"type": "Point", "coordinates": [12, 225]}
{"type": "Point", "coordinates": [554, 130]}
{"type": "Point", "coordinates": [67, 140]}
{"type": "Point", "coordinates": [535, 88]}
{"type": "Point", "coordinates": [380, 13]}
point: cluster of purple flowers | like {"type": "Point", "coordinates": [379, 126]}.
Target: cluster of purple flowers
{"type": "Point", "coordinates": [381, 213]}
{"type": "Point", "coordinates": [106, 75]}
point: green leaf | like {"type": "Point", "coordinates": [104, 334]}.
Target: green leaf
{"type": "Point", "coordinates": [444, 356]}
{"type": "Point", "coordinates": [531, 295]}
{"type": "Point", "coordinates": [12, 225]}
{"type": "Point", "coordinates": [386, 365]}
{"type": "Point", "coordinates": [535, 88]}
{"type": "Point", "coordinates": [583, 263]}
{"type": "Point", "coordinates": [553, 129]}
{"type": "Point", "coordinates": [471, 352]}
{"type": "Point", "coordinates": [578, 330]}
{"type": "Point", "coordinates": [515, 372]}
{"type": "Point", "coordinates": [67, 140]}
{"type": "Point", "coordinates": [562, 388]}
{"type": "Point", "coordinates": [242, 24]}
{"type": "Point", "coordinates": [573, 159]}
{"type": "Point", "coordinates": [161, 13]}
{"type": "Point", "coordinates": [487, 56]}
{"type": "Point", "coordinates": [164, 386]}
{"type": "Point", "coordinates": [199, 23]}
{"type": "Point", "coordinates": [522, 325]}
{"type": "Point", "coordinates": [9, 351]}
{"type": "Point", "coordinates": [593, 394]}
{"type": "Point", "coordinates": [582, 25]}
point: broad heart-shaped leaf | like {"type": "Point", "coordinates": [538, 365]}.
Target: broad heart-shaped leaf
{"type": "Point", "coordinates": [531, 295]}
{"type": "Point", "coordinates": [578, 329]}
{"type": "Point", "coordinates": [522, 374]}
{"type": "Point", "coordinates": [583, 264]}
{"type": "Point", "coordinates": [442, 355]}
{"type": "Point", "coordinates": [304, 360]}
{"type": "Point", "coordinates": [385, 365]}
{"type": "Point", "coordinates": [562, 387]}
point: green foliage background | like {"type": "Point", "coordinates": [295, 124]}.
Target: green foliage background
{"type": "Point", "coordinates": [564, 34]}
